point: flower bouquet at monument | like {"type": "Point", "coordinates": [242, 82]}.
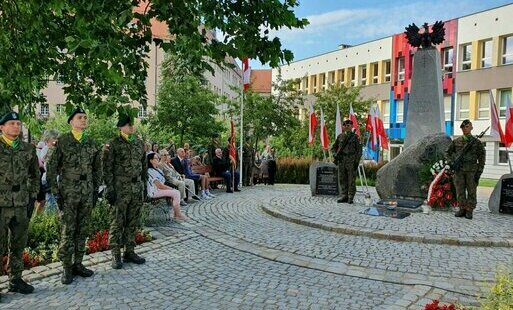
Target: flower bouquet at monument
{"type": "Point", "coordinates": [441, 194]}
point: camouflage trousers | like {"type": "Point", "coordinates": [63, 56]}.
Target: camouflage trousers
{"type": "Point", "coordinates": [347, 178]}
{"type": "Point", "coordinates": [466, 187]}
{"type": "Point", "coordinates": [75, 217]}
{"type": "Point", "coordinates": [13, 237]}
{"type": "Point", "coordinates": [125, 219]}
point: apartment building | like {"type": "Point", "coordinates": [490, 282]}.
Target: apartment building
{"type": "Point", "coordinates": [476, 57]}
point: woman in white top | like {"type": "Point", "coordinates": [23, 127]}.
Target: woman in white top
{"type": "Point", "coordinates": [157, 188]}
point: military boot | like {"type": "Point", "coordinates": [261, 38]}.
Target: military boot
{"type": "Point", "coordinates": [131, 257]}
{"type": "Point", "coordinates": [468, 214]}
{"type": "Point", "coordinates": [81, 270]}
{"type": "Point", "coordinates": [20, 286]}
{"type": "Point", "coordinates": [461, 212]}
{"type": "Point", "coordinates": [341, 200]}
{"type": "Point", "coordinates": [116, 261]}
{"type": "Point", "coordinates": [350, 200]}
{"type": "Point", "coordinates": [67, 275]}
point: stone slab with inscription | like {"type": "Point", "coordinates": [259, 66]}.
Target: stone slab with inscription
{"type": "Point", "coordinates": [323, 179]}
{"type": "Point", "coordinates": [425, 115]}
{"type": "Point", "coordinates": [400, 177]}
{"type": "Point", "coordinates": [501, 199]}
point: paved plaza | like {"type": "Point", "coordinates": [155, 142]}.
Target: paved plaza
{"type": "Point", "coordinates": [276, 247]}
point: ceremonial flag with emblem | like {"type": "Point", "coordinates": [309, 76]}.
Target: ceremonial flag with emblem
{"type": "Point", "coordinates": [370, 126]}
{"type": "Point", "coordinates": [312, 125]}
{"type": "Point", "coordinates": [233, 150]}
{"type": "Point", "coordinates": [324, 133]}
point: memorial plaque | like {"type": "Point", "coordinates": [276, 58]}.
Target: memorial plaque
{"type": "Point", "coordinates": [326, 181]}
{"type": "Point", "coordinates": [506, 202]}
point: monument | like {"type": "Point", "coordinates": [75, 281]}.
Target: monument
{"type": "Point", "coordinates": [426, 106]}
{"type": "Point", "coordinates": [398, 181]}
{"type": "Point", "coordinates": [323, 179]}
{"type": "Point", "coordinates": [501, 199]}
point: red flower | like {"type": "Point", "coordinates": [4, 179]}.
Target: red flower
{"type": "Point", "coordinates": [440, 193]}
{"type": "Point", "coordinates": [449, 196]}
{"type": "Point", "coordinates": [447, 186]}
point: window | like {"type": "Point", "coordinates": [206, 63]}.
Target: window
{"type": "Point", "coordinates": [503, 154]}
{"type": "Point", "coordinates": [399, 111]}
{"type": "Point", "coordinates": [375, 73]}
{"type": "Point", "coordinates": [400, 69]}
{"type": "Point", "coordinates": [447, 107]}
{"type": "Point", "coordinates": [486, 54]}
{"type": "Point", "coordinates": [463, 106]}
{"type": "Point", "coordinates": [388, 70]}
{"type": "Point", "coordinates": [448, 54]}
{"type": "Point", "coordinates": [466, 51]}
{"type": "Point", "coordinates": [314, 83]}
{"type": "Point", "coordinates": [143, 112]}
{"type": "Point", "coordinates": [341, 77]}
{"type": "Point", "coordinates": [507, 50]}
{"type": "Point", "coordinates": [363, 74]}
{"type": "Point", "coordinates": [353, 78]}
{"type": "Point", "coordinates": [322, 81]}
{"type": "Point", "coordinates": [45, 110]}
{"type": "Point", "coordinates": [60, 108]}
{"type": "Point", "coordinates": [305, 83]}
{"type": "Point", "coordinates": [504, 97]}
{"type": "Point", "coordinates": [386, 111]}
{"type": "Point", "coordinates": [331, 78]}
{"type": "Point", "coordinates": [483, 111]}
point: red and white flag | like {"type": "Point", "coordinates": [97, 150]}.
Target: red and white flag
{"type": "Point", "coordinates": [380, 130]}
{"type": "Point", "coordinates": [312, 125]}
{"type": "Point", "coordinates": [338, 123]}
{"type": "Point", "coordinates": [370, 126]}
{"type": "Point", "coordinates": [353, 118]}
{"type": "Point", "coordinates": [246, 73]}
{"type": "Point", "coordinates": [496, 129]}
{"type": "Point", "coordinates": [324, 133]}
{"type": "Point", "coordinates": [508, 135]}
{"type": "Point", "coordinates": [233, 150]}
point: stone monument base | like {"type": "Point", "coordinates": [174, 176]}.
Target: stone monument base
{"type": "Point", "coordinates": [501, 199]}
{"type": "Point", "coordinates": [404, 205]}
{"type": "Point", "coordinates": [323, 178]}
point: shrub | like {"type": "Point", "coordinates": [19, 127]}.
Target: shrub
{"type": "Point", "coordinates": [371, 170]}
{"type": "Point", "coordinates": [44, 229]}
{"type": "Point", "coordinates": [501, 294]}
{"type": "Point", "coordinates": [293, 170]}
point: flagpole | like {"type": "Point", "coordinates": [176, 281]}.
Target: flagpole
{"type": "Point", "coordinates": [241, 138]}
{"type": "Point", "coordinates": [509, 160]}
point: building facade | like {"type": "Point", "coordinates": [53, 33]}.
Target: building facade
{"type": "Point", "coordinates": [476, 57]}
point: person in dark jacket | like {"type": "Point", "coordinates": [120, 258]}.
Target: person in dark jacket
{"type": "Point", "coordinates": [224, 167]}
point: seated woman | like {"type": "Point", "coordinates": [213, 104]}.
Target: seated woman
{"type": "Point", "coordinates": [157, 188]}
{"type": "Point", "coordinates": [203, 179]}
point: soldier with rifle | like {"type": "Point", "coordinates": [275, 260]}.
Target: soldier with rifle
{"type": "Point", "coordinates": [466, 157]}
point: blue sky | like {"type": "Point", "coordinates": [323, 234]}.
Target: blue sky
{"type": "Point", "coordinates": [333, 22]}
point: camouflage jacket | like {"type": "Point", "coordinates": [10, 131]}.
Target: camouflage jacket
{"type": "Point", "coordinates": [125, 163]}
{"type": "Point", "coordinates": [473, 159]}
{"type": "Point", "coordinates": [19, 174]}
{"type": "Point", "coordinates": [347, 147]}
{"type": "Point", "coordinates": [73, 162]}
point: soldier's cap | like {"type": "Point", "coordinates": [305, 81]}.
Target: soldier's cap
{"type": "Point", "coordinates": [465, 123]}
{"type": "Point", "coordinates": [74, 112]}
{"type": "Point", "coordinates": [347, 122]}
{"type": "Point", "coordinates": [9, 116]}
{"type": "Point", "coordinates": [124, 119]}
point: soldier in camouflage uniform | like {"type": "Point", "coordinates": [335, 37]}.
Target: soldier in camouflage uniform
{"type": "Point", "coordinates": [347, 150]}
{"type": "Point", "coordinates": [19, 184]}
{"type": "Point", "coordinates": [248, 157]}
{"type": "Point", "coordinates": [466, 177]}
{"type": "Point", "coordinates": [74, 175]}
{"type": "Point", "coordinates": [125, 173]}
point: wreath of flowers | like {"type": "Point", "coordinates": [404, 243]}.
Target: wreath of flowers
{"type": "Point", "coordinates": [442, 192]}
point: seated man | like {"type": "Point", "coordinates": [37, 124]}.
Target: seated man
{"type": "Point", "coordinates": [174, 178]}
{"type": "Point", "coordinates": [224, 167]}
{"type": "Point", "coordinates": [181, 166]}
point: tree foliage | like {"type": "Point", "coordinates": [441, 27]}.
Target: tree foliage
{"type": "Point", "coordinates": [99, 49]}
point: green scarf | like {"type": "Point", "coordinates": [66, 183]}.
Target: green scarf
{"type": "Point", "coordinates": [15, 144]}
{"type": "Point", "coordinates": [84, 136]}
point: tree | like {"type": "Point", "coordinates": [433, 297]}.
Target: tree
{"type": "Point", "coordinates": [99, 48]}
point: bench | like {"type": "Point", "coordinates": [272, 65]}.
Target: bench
{"type": "Point", "coordinates": [207, 169]}
{"type": "Point", "coordinates": [156, 212]}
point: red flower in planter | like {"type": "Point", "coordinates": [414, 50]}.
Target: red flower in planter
{"type": "Point", "coordinates": [435, 305]}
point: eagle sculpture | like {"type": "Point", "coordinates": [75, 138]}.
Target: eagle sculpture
{"type": "Point", "coordinates": [426, 38]}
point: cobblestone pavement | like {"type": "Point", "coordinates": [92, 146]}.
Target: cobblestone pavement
{"type": "Point", "coordinates": [233, 255]}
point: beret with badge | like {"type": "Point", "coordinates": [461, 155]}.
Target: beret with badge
{"type": "Point", "coordinates": [75, 112]}
{"type": "Point", "coordinates": [9, 116]}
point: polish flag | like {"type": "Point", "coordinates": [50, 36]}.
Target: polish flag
{"type": "Point", "coordinates": [246, 71]}
{"type": "Point", "coordinates": [496, 129]}
{"type": "Point", "coordinates": [380, 130]}
{"type": "Point", "coordinates": [324, 133]}
{"type": "Point", "coordinates": [312, 125]}
{"type": "Point", "coordinates": [352, 117]}
{"type": "Point", "coordinates": [338, 123]}
{"type": "Point", "coordinates": [508, 135]}
{"type": "Point", "coordinates": [370, 126]}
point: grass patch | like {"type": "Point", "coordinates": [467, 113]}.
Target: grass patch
{"type": "Point", "coordinates": [488, 182]}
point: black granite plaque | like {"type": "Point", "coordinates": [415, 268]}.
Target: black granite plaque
{"type": "Point", "coordinates": [506, 202]}
{"type": "Point", "coordinates": [326, 181]}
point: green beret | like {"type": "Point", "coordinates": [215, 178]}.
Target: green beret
{"type": "Point", "coordinates": [9, 116]}
{"type": "Point", "coordinates": [124, 119]}
{"type": "Point", "coordinates": [76, 111]}
{"type": "Point", "coordinates": [465, 123]}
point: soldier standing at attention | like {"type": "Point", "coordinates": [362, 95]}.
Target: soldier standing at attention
{"type": "Point", "coordinates": [125, 173]}
{"type": "Point", "coordinates": [76, 163]}
{"type": "Point", "coordinates": [347, 151]}
{"type": "Point", "coordinates": [466, 176]}
{"type": "Point", "coordinates": [19, 183]}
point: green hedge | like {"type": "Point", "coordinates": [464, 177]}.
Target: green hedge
{"type": "Point", "coordinates": [295, 170]}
